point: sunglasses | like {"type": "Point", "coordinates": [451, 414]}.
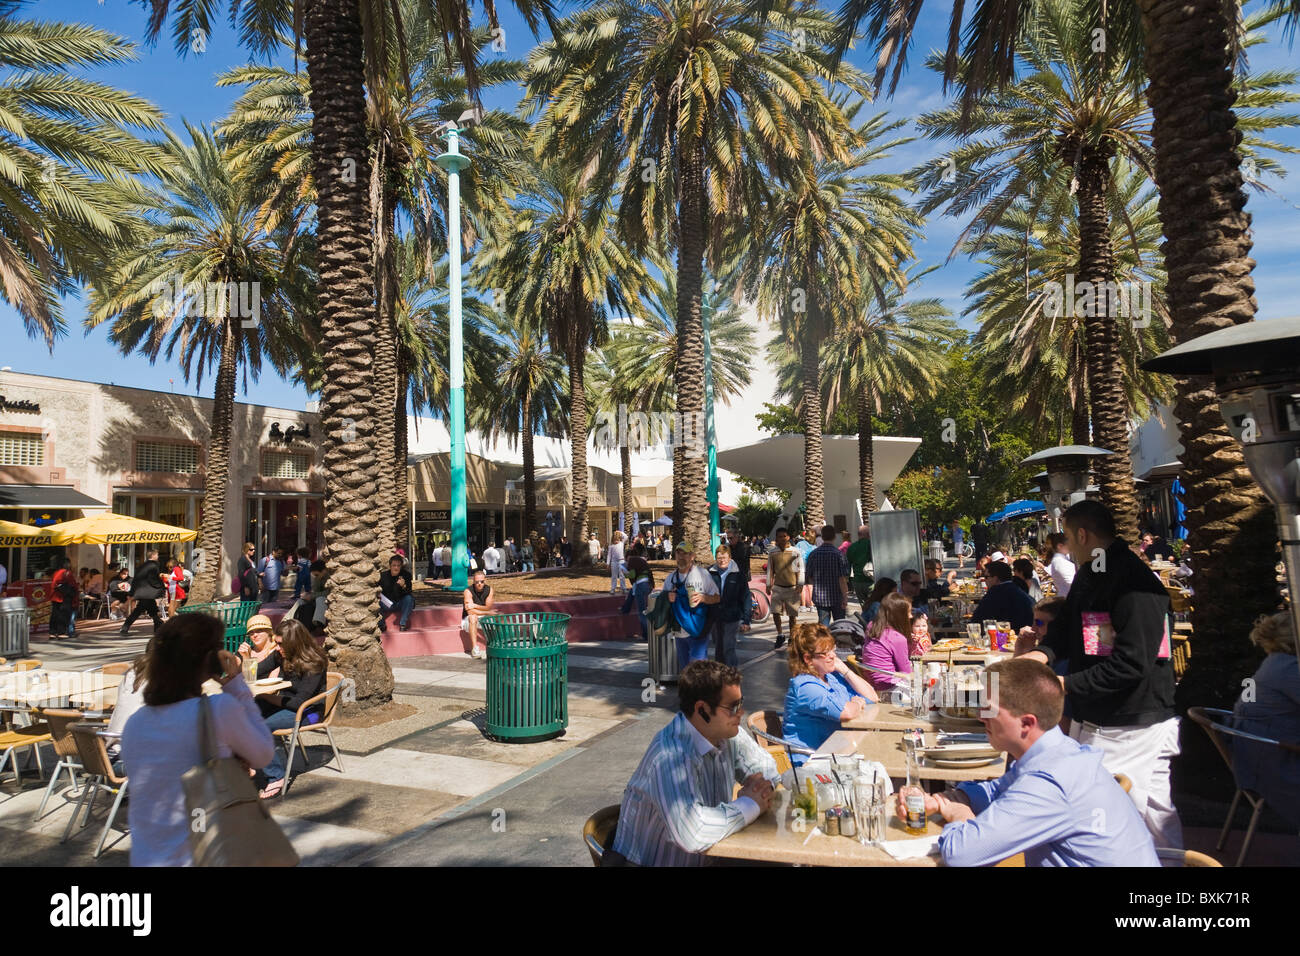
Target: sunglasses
{"type": "Point", "coordinates": [735, 709]}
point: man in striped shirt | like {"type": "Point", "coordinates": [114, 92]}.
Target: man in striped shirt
{"type": "Point", "coordinates": [679, 801]}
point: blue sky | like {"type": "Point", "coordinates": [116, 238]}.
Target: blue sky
{"type": "Point", "coordinates": [185, 89]}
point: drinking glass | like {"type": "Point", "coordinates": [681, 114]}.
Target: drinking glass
{"type": "Point", "coordinates": [974, 635]}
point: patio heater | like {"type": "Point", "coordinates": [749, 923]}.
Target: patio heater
{"type": "Point", "coordinates": [1067, 476]}
{"type": "Point", "coordinates": [1256, 369]}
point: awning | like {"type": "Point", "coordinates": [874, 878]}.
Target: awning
{"type": "Point", "coordinates": [45, 496]}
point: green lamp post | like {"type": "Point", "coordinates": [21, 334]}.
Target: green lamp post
{"type": "Point", "coordinates": [715, 519]}
{"type": "Point", "coordinates": [453, 162]}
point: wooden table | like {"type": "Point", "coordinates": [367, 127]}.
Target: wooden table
{"type": "Point", "coordinates": [897, 717]}
{"type": "Point", "coordinates": [211, 687]}
{"type": "Point", "coordinates": [887, 748]}
{"type": "Point", "coordinates": [772, 838]}
{"type": "Point", "coordinates": [965, 656]}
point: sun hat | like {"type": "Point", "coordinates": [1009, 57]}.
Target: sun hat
{"type": "Point", "coordinates": [259, 622]}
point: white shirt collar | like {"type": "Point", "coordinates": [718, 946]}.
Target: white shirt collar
{"type": "Point", "coordinates": [702, 745]}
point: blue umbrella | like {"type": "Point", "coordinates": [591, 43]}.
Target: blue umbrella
{"type": "Point", "coordinates": [663, 521]}
{"type": "Point", "coordinates": [1018, 509]}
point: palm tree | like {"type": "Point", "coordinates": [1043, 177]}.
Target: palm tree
{"type": "Point", "coordinates": [898, 349]}
{"type": "Point", "coordinates": [270, 129]}
{"type": "Point", "coordinates": [527, 397]}
{"type": "Point", "coordinates": [829, 238]}
{"type": "Point", "coordinates": [1062, 124]}
{"type": "Point", "coordinates": [1035, 357]}
{"type": "Point", "coordinates": [688, 105]}
{"type": "Point", "coordinates": [66, 164]}
{"type": "Point", "coordinates": [1189, 50]}
{"type": "Point", "coordinates": [559, 263]}
{"type": "Point", "coordinates": [642, 356]}
{"type": "Point", "coordinates": [202, 237]}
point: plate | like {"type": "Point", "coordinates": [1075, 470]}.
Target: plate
{"type": "Point", "coordinates": [962, 763]}
{"type": "Point", "coordinates": [266, 682]}
{"type": "Point", "coordinates": [946, 646]}
{"type": "Point", "coordinates": [960, 720]}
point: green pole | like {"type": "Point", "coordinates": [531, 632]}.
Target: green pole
{"type": "Point", "coordinates": [715, 519]}
{"type": "Point", "coordinates": [453, 162]}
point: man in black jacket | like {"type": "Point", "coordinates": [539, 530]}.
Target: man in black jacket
{"type": "Point", "coordinates": [740, 554]}
{"type": "Point", "coordinates": [146, 588]}
{"type": "Point", "coordinates": [1005, 601]}
{"type": "Point", "coordinates": [1113, 631]}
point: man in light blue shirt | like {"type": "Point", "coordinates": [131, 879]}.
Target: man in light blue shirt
{"type": "Point", "coordinates": [1057, 804]}
{"type": "Point", "coordinates": [679, 801]}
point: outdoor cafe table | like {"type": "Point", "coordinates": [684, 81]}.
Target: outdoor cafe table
{"type": "Point", "coordinates": [259, 690]}
{"type": "Point", "coordinates": [886, 747]}
{"type": "Point", "coordinates": [897, 717]}
{"type": "Point", "coordinates": [772, 838]}
{"type": "Point", "coordinates": [965, 656]}
{"type": "Point", "coordinates": [27, 689]}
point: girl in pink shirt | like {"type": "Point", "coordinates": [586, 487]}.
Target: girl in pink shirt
{"type": "Point", "coordinates": [886, 646]}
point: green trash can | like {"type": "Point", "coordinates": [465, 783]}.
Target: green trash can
{"type": "Point", "coordinates": [234, 615]}
{"type": "Point", "coordinates": [527, 675]}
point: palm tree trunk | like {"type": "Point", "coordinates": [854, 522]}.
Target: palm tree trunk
{"type": "Point", "coordinates": [578, 435]}
{"type": "Point", "coordinates": [207, 575]}
{"type": "Point", "coordinates": [1106, 394]}
{"type": "Point", "coordinates": [387, 497]}
{"type": "Point", "coordinates": [401, 505]}
{"type": "Point", "coordinates": [814, 486]}
{"type": "Point", "coordinates": [675, 532]}
{"type": "Point", "coordinates": [1231, 528]}
{"type": "Point", "coordinates": [625, 465]}
{"type": "Point", "coordinates": [345, 299]}
{"type": "Point", "coordinates": [1080, 433]}
{"type": "Point", "coordinates": [866, 460]}
{"type": "Point", "coordinates": [690, 480]}
{"type": "Point", "coordinates": [530, 471]}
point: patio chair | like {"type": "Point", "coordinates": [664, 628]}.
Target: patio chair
{"type": "Point", "coordinates": [1185, 858]}
{"type": "Point", "coordinates": [30, 664]}
{"type": "Point", "coordinates": [1209, 718]}
{"type": "Point", "coordinates": [100, 776]}
{"type": "Point", "coordinates": [1124, 782]}
{"type": "Point", "coordinates": [598, 832]}
{"type": "Point", "coordinates": [765, 725]}
{"type": "Point", "coordinates": [65, 748]}
{"type": "Point", "coordinates": [333, 682]}
{"type": "Point", "coordinates": [23, 738]}
{"type": "Point", "coordinates": [117, 667]}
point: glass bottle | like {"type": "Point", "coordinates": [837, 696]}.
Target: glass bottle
{"type": "Point", "coordinates": [913, 795]}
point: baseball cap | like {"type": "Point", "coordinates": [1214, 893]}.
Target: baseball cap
{"type": "Point", "coordinates": [685, 546]}
{"type": "Point", "coordinates": [998, 556]}
{"type": "Point", "coordinates": [260, 622]}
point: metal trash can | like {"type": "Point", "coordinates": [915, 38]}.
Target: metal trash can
{"type": "Point", "coordinates": [15, 626]}
{"type": "Point", "coordinates": [234, 615]}
{"type": "Point", "coordinates": [663, 651]}
{"type": "Point", "coordinates": [936, 550]}
{"type": "Point", "coordinates": [527, 675]}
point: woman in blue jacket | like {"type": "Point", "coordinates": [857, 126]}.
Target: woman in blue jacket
{"type": "Point", "coordinates": [730, 610]}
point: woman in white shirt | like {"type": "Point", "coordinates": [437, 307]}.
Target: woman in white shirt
{"type": "Point", "coordinates": [162, 739]}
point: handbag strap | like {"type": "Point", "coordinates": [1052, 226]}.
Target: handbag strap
{"type": "Point", "coordinates": [207, 741]}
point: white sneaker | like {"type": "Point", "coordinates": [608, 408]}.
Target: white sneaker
{"type": "Point", "coordinates": [475, 652]}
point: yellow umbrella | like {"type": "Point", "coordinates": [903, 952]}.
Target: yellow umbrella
{"type": "Point", "coordinates": [24, 536]}
{"type": "Point", "coordinates": [108, 528]}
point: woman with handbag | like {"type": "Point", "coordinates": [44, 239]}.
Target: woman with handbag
{"type": "Point", "coordinates": [164, 739]}
{"type": "Point", "coordinates": [303, 664]}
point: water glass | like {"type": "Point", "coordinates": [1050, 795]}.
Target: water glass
{"type": "Point", "coordinates": [974, 636]}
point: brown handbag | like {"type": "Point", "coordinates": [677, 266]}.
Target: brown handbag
{"type": "Point", "coordinates": [229, 825]}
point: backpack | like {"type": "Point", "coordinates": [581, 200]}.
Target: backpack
{"type": "Point", "coordinates": [659, 613]}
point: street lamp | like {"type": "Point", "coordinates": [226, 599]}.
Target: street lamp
{"type": "Point", "coordinates": [1256, 369]}
{"type": "Point", "coordinates": [453, 162]}
{"type": "Point", "coordinates": [1067, 476]}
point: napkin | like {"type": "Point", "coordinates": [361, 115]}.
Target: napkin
{"type": "Point", "coordinates": [912, 849]}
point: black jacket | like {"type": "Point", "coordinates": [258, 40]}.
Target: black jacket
{"type": "Point", "coordinates": [305, 686]}
{"type": "Point", "coordinates": [392, 587]}
{"type": "Point", "coordinates": [1131, 686]}
{"type": "Point", "coordinates": [146, 585]}
{"type": "Point", "coordinates": [740, 554]}
{"type": "Point", "coordinates": [1005, 602]}
{"type": "Point", "coordinates": [731, 605]}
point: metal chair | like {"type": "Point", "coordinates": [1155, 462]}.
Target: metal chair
{"type": "Point", "coordinates": [31, 664]}
{"type": "Point", "coordinates": [1124, 782]}
{"type": "Point", "coordinates": [65, 748]}
{"type": "Point", "coordinates": [100, 776]}
{"type": "Point", "coordinates": [333, 683]}
{"type": "Point", "coordinates": [1206, 717]}
{"type": "Point", "coordinates": [23, 738]}
{"type": "Point", "coordinates": [599, 830]}
{"type": "Point", "coordinates": [761, 723]}
{"type": "Point", "coordinates": [117, 667]}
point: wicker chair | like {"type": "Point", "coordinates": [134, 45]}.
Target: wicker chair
{"type": "Point", "coordinates": [598, 832]}
{"type": "Point", "coordinates": [117, 667]}
{"type": "Point", "coordinates": [1185, 858]}
{"type": "Point", "coordinates": [65, 748]}
{"type": "Point", "coordinates": [100, 776]}
{"type": "Point", "coordinates": [1124, 782]}
{"type": "Point", "coordinates": [1209, 718]}
{"type": "Point", "coordinates": [330, 696]}
{"type": "Point", "coordinates": [31, 664]}
{"type": "Point", "coordinates": [17, 739]}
